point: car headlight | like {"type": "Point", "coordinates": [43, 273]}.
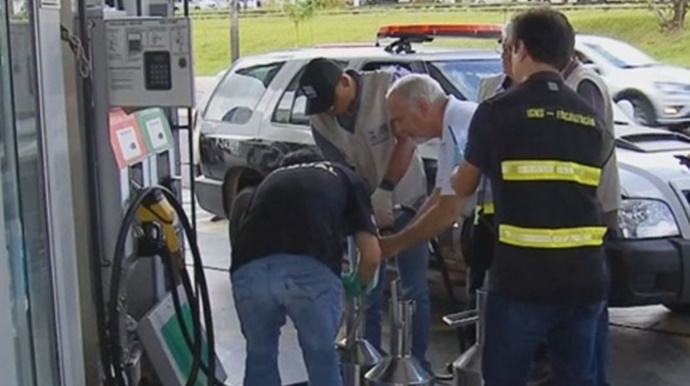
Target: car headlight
{"type": "Point", "coordinates": [643, 218]}
{"type": "Point", "coordinates": [673, 88]}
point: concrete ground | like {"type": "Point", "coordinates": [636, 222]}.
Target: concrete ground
{"type": "Point", "coordinates": [651, 347]}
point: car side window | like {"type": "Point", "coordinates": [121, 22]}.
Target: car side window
{"type": "Point", "coordinates": [387, 66]}
{"type": "Point", "coordinates": [238, 94]}
{"type": "Point", "coordinates": [583, 58]}
{"type": "Point", "coordinates": [293, 104]}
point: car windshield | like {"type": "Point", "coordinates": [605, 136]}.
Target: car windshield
{"type": "Point", "coordinates": [622, 55]}
{"type": "Point", "coordinates": [465, 74]}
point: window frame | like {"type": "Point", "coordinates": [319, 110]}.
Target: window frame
{"type": "Point", "coordinates": [237, 71]}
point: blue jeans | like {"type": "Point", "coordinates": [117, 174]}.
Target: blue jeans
{"type": "Point", "coordinates": [413, 265]}
{"type": "Point", "coordinates": [603, 348]}
{"type": "Point", "coordinates": [514, 329]}
{"type": "Point", "coordinates": [269, 289]}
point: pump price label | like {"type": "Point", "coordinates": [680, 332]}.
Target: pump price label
{"type": "Point", "coordinates": [129, 147]}
{"type": "Point", "coordinates": [126, 139]}
{"type": "Point", "coordinates": [156, 130]}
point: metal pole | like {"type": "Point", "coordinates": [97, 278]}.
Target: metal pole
{"type": "Point", "coordinates": [234, 31]}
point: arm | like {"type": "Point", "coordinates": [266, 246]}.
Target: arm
{"type": "Point", "coordinates": [428, 224]}
{"type": "Point", "coordinates": [591, 93]}
{"type": "Point", "coordinates": [359, 218]}
{"type": "Point", "coordinates": [404, 148]}
{"type": "Point", "coordinates": [400, 161]}
{"type": "Point", "coordinates": [369, 255]}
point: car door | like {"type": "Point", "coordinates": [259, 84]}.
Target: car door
{"type": "Point", "coordinates": [233, 115]}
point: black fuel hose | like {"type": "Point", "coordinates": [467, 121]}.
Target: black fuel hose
{"type": "Point", "coordinates": [200, 283]}
{"type": "Point", "coordinates": [167, 259]}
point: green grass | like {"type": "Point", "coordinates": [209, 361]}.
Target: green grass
{"type": "Point", "coordinates": [270, 33]}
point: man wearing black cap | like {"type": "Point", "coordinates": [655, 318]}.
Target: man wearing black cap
{"type": "Point", "coordinates": [350, 125]}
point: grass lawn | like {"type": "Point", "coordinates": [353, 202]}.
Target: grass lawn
{"type": "Point", "coordinates": [269, 33]}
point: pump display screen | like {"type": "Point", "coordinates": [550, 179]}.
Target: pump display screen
{"type": "Point", "coordinates": [157, 70]}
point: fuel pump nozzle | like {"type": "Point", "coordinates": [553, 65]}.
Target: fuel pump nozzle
{"type": "Point", "coordinates": [156, 209]}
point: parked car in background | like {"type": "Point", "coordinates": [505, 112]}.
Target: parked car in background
{"type": "Point", "coordinates": [659, 92]}
{"type": "Point", "coordinates": [255, 114]}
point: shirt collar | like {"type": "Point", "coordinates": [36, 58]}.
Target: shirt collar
{"type": "Point", "coordinates": [506, 84]}
{"type": "Point", "coordinates": [447, 130]}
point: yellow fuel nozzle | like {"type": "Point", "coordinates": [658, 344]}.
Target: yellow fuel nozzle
{"type": "Point", "coordinates": [156, 208]}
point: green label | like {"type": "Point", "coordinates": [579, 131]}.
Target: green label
{"type": "Point", "coordinates": [181, 352]}
{"type": "Point", "coordinates": [155, 129]}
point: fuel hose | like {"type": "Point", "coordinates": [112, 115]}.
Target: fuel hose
{"type": "Point", "coordinates": [200, 293]}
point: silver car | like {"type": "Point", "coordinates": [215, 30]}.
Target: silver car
{"type": "Point", "coordinates": [255, 114]}
{"type": "Point", "coordinates": [660, 93]}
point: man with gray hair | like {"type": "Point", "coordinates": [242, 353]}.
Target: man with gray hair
{"type": "Point", "coordinates": [419, 108]}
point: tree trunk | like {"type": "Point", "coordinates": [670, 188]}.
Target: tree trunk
{"type": "Point", "coordinates": [680, 8]}
{"type": "Point", "coordinates": [296, 33]}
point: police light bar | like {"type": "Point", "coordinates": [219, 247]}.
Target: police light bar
{"type": "Point", "coordinates": [481, 31]}
{"type": "Point", "coordinates": [343, 45]}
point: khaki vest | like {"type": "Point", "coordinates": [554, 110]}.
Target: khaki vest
{"type": "Point", "coordinates": [370, 147]}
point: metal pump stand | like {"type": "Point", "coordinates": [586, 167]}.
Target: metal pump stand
{"type": "Point", "coordinates": [467, 369]}
{"type": "Point", "coordinates": [357, 355]}
{"type": "Point", "coordinates": [399, 368]}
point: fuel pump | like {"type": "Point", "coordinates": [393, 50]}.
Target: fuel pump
{"type": "Point", "coordinates": [136, 76]}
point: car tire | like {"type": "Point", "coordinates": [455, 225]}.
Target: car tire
{"type": "Point", "coordinates": [644, 111]}
{"type": "Point", "coordinates": [678, 308]}
{"type": "Point", "coordinates": [236, 213]}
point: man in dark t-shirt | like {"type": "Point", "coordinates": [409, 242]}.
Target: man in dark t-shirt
{"type": "Point", "coordinates": [286, 261]}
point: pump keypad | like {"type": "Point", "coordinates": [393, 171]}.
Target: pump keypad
{"type": "Point", "coordinates": [157, 70]}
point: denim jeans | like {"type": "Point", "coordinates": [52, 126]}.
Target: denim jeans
{"type": "Point", "coordinates": [310, 294]}
{"type": "Point", "coordinates": [603, 348]}
{"type": "Point", "coordinates": [514, 329]}
{"type": "Point", "coordinates": [413, 265]}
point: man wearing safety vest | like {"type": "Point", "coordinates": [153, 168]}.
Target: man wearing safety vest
{"type": "Point", "coordinates": [543, 148]}
{"type": "Point", "coordinates": [349, 122]}
{"type": "Point", "coordinates": [478, 228]}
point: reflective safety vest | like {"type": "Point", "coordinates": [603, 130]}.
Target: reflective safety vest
{"type": "Point", "coordinates": [546, 151]}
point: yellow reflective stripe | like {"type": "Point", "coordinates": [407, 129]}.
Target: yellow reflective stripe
{"type": "Point", "coordinates": [551, 238]}
{"type": "Point", "coordinates": [534, 170]}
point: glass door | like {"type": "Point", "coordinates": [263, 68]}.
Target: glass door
{"type": "Point", "coordinates": [24, 221]}
{"type": "Point", "coordinates": [13, 261]}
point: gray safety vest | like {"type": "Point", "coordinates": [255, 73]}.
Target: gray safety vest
{"type": "Point", "coordinates": [370, 147]}
{"type": "Point", "coordinates": [609, 187]}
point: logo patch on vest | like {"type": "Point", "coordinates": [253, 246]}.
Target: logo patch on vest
{"type": "Point", "coordinates": [378, 135]}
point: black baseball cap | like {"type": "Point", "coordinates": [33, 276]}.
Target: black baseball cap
{"type": "Point", "coordinates": [318, 84]}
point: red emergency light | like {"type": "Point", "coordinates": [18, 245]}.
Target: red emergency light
{"type": "Point", "coordinates": [481, 31]}
{"type": "Point", "coordinates": [343, 45]}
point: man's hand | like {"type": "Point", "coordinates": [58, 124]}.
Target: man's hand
{"type": "Point", "coordinates": [389, 247]}
{"type": "Point", "coordinates": [352, 285]}
{"type": "Point", "coordinates": [382, 203]}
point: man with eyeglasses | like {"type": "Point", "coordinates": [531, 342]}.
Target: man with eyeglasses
{"type": "Point", "coordinates": [478, 229]}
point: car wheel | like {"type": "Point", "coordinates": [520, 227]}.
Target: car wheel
{"type": "Point", "coordinates": [236, 213]}
{"type": "Point", "coordinates": [643, 109]}
{"type": "Point", "coordinates": [678, 308]}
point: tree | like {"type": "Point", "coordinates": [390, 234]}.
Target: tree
{"type": "Point", "coordinates": [301, 10]}
{"type": "Point", "coordinates": [671, 13]}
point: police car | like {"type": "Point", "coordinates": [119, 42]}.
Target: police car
{"type": "Point", "coordinates": [255, 113]}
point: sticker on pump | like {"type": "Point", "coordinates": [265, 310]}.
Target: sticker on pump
{"type": "Point", "coordinates": [126, 140]}
{"type": "Point", "coordinates": [129, 146]}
